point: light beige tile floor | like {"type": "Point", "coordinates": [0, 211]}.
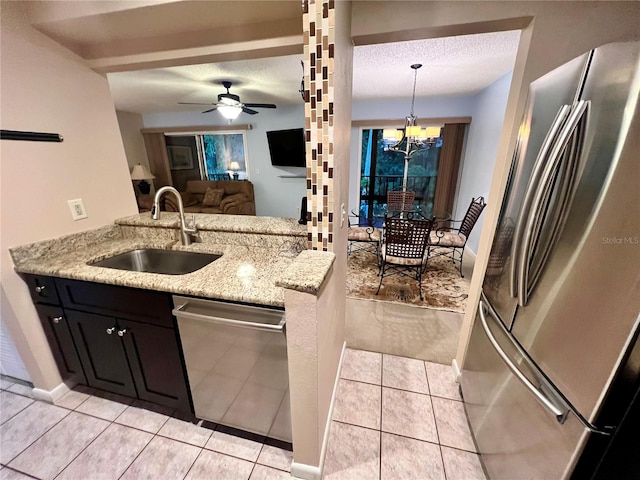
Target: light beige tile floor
{"type": "Point", "coordinates": [405, 420]}
{"type": "Point", "coordinates": [89, 435]}
{"type": "Point", "coordinates": [394, 418]}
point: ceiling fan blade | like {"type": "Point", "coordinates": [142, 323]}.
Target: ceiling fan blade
{"type": "Point", "coordinates": [248, 110]}
{"type": "Point", "coordinates": [210, 110]}
{"type": "Point", "coordinates": [191, 103]}
{"type": "Point", "coordinates": [260, 105]}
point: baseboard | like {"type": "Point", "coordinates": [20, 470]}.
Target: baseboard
{"type": "Point", "coordinates": [305, 472]}
{"type": "Point", "coordinates": [310, 472]}
{"type": "Point", "coordinates": [456, 370]}
{"type": "Point", "coordinates": [51, 396]}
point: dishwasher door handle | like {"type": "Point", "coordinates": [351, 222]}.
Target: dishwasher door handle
{"type": "Point", "coordinates": [180, 312]}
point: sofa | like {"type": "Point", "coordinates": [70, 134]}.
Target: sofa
{"type": "Point", "coordinates": [221, 196]}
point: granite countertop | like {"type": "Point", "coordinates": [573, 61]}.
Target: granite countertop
{"type": "Point", "coordinates": [244, 273]}
{"type": "Point", "coordinates": [220, 223]}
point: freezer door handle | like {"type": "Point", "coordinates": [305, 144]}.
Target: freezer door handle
{"type": "Point", "coordinates": [532, 187]}
{"type": "Point", "coordinates": [559, 412]}
{"type": "Point", "coordinates": [181, 312]}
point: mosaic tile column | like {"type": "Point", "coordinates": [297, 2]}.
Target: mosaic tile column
{"type": "Point", "coordinates": [319, 42]}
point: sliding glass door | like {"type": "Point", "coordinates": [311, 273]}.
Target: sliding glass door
{"type": "Point", "coordinates": [215, 156]}
{"type": "Point", "coordinates": [382, 171]}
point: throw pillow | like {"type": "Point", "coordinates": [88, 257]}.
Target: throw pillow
{"type": "Point", "coordinates": [212, 197]}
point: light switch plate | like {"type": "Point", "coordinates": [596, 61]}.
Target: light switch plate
{"type": "Point", "coordinates": [77, 209]}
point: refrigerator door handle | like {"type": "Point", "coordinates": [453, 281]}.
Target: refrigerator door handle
{"type": "Point", "coordinates": [568, 177]}
{"type": "Point", "coordinates": [559, 412]}
{"type": "Point", "coordinates": [533, 225]}
{"type": "Point", "coordinates": [532, 187]}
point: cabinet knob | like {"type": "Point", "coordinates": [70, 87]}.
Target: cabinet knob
{"type": "Point", "coordinates": [122, 332]}
{"type": "Point", "coordinates": [40, 288]}
{"type": "Point", "coordinates": [111, 330]}
{"type": "Point", "coordinates": [57, 319]}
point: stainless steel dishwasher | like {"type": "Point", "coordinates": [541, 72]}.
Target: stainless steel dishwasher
{"type": "Point", "coordinates": [236, 358]}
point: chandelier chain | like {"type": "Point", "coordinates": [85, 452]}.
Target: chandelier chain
{"type": "Point", "coordinates": [415, 68]}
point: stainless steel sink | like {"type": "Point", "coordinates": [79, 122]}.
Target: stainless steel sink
{"type": "Point", "coordinates": [168, 262]}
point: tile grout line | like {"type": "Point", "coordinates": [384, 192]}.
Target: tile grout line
{"type": "Point", "coordinates": [43, 434]}
{"type": "Point", "coordinates": [137, 456]}
{"type": "Point", "coordinates": [435, 422]}
{"type": "Point", "coordinates": [194, 462]}
{"type": "Point", "coordinates": [20, 472]}
{"type": "Point", "coordinates": [86, 446]}
{"type": "Point", "coordinates": [404, 389]}
{"type": "Point", "coordinates": [18, 412]}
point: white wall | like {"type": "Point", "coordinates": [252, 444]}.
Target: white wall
{"type": "Point", "coordinates": [275, 196]}
{"type": "Point", "coordinates": [398, 108]}
{"type": "Point", "coordinates": [481, 149]}
{"type": "Point", "coordinates": [130, 125]}
{"type": "Point", "coordinates": [47, 89]}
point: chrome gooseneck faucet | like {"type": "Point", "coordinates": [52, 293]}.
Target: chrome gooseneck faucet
{"type": "Point", "coordinates": [185, 232]}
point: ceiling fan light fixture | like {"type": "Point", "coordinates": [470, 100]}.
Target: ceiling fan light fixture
{"type": "Point", "coordinates": [230, 112]}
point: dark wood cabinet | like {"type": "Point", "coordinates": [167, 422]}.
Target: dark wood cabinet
{"type": "Point", "coordinates": [56, 328]}
{"type": "Point", "coordinates": [119, 339]}
{"type": "Point", "coordinates": [120, 302]}
{"type": "Point", "coordinates": [101, 352]}
{"type": "Point", "coordinates": [42, 289]}
{"type": "Point", "coordinates": [156, 363]}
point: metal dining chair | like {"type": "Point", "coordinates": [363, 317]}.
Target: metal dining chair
{"type": "Point", "coordinates": [451, 241]}
{"type": "Point", "coordinates": [362, 237]}
{"type": "Point", "coordinates": [404, 248]}
{"type": "Point", "coordinates": [398, 200]}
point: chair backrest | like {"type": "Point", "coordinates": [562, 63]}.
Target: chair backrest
{"type": "Point", "coordinates": [472, 215]}
{"type": "Point", "coordinates": [406, 238]}
{"type": "Point", "coordinates": [398, 200]}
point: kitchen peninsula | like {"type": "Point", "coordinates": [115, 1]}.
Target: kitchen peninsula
{"type": "Point", "coordinates": [256, 251]}
{"type": "Point", "coordinates": [120, 331]}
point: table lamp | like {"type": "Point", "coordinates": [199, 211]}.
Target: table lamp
{"type": "Point", "coordinates": [142, 173]}
{"type": "Point", "coordinates": [235, 166]}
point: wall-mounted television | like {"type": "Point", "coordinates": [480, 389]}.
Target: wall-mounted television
{"type": "Point", "coordinates": [286, 147]}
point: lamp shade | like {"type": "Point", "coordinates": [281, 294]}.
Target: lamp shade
{"type": "Point", "coordinates": [389, 133]}
{"type": "Point", "coordinates": [230, 112]}
{"type": "Point", "coordinates": [234, 166]}
{"type": "Point", "coordinates": [432, 132]}
{"type": "Point", "coordinates": [140, 172]}
{"type": "Point", "coordinates": [413, 131]}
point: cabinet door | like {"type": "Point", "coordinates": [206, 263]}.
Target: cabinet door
{"type": "Point", "coordinates": [156, 364]}
{"type": "Point", "coordinates": [57, 331]}
{"type": "Point", "coordinates": [101, 352]}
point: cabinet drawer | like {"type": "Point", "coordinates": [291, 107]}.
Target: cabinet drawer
{"type": "Point", "coordinates": [123, 302]}
{"type": "Point", "coordinates": [42, 289]}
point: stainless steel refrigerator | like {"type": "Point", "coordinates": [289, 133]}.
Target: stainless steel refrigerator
{"type": "Point", "coordinates": [550, 381]}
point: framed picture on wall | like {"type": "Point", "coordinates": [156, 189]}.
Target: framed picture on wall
{"type": "Point", "coordinates": [180, 158]}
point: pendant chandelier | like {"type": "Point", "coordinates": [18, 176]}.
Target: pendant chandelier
{"type": "Point", "coordinates": [413, 137]}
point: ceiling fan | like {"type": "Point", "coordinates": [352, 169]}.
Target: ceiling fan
{"type": "Point", "coordinates": [230, 106]}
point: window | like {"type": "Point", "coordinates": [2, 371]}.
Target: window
{"type": "Point", "coordinates": [224, 155]}
{"type": "Point", "coordinates": [206, 156]}
{"type": "Point", "coordinates": [381, 171]}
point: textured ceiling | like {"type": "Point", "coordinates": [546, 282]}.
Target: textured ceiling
{"type": "Point", "coordinates": [460, 65]}
{"type": "Point", "coordinates": [450, 66]}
